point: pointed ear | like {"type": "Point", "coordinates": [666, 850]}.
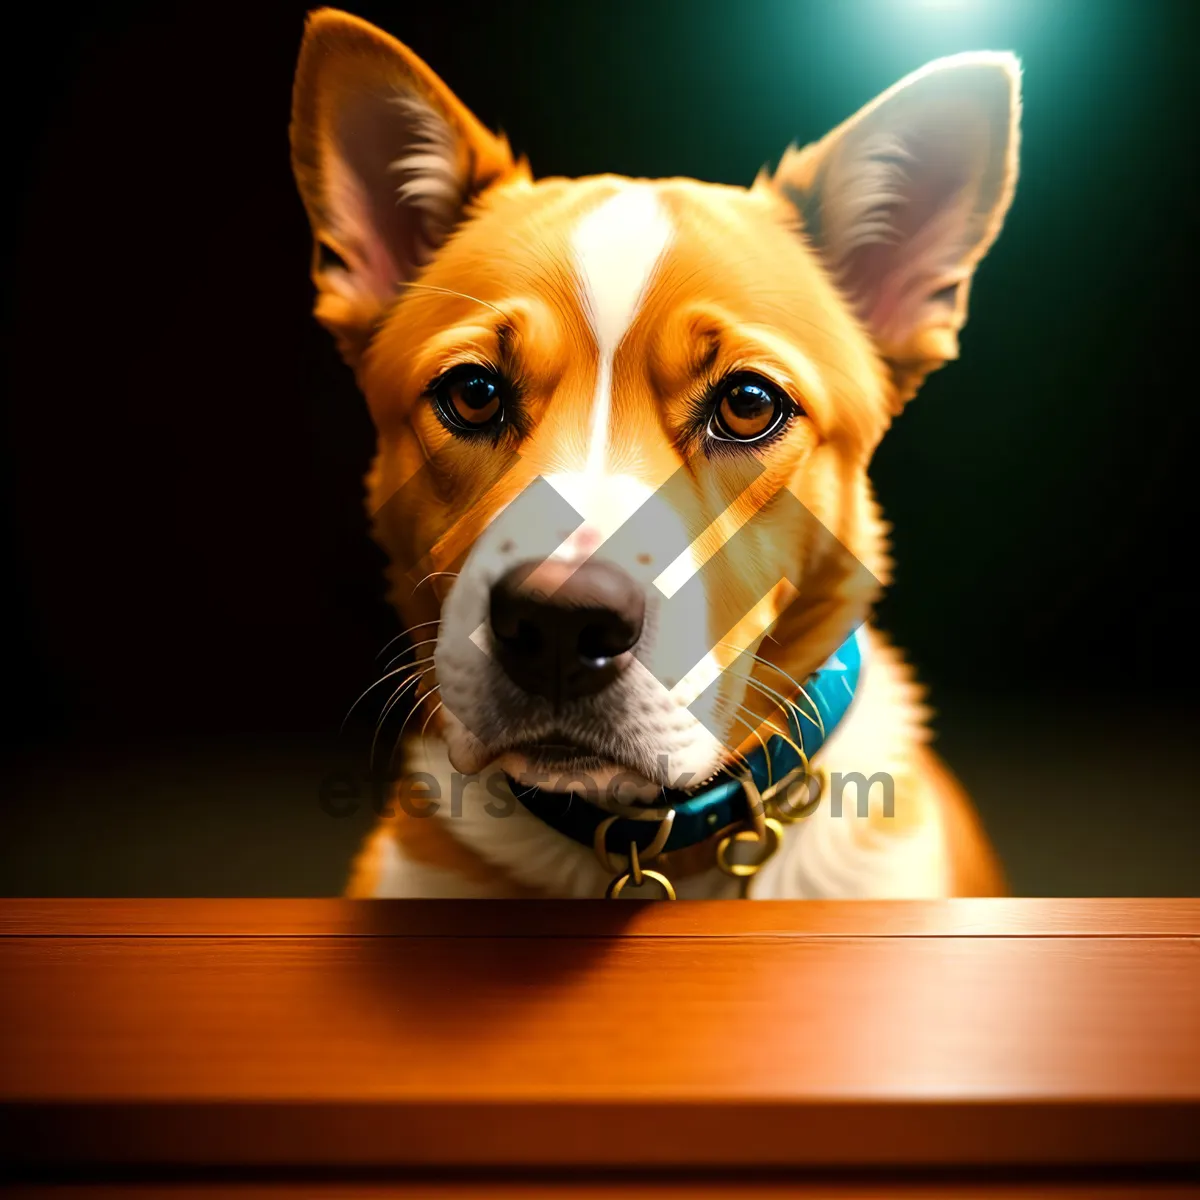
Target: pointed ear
{"type": "Point", "coordinates": [386, 159]}
{"type": "Point", "coordinates": [905, 198]}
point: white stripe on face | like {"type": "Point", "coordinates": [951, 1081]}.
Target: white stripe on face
{"type": "Point", "coordinates": [616, 247]}
{"type": "Point", "coordinates": [605, 502]}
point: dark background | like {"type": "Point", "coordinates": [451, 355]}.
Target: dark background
{"type": "Point", "coordinates": [194, 599]}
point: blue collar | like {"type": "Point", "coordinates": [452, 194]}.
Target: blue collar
{"type": "Point", "coordinates": [698, 815]}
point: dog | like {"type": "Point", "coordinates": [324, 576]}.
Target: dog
{"type": "Point", "coordinates": [624, 428]}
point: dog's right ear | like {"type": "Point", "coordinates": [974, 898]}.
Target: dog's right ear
{"type": "Point", "coordinates": [386, 158]}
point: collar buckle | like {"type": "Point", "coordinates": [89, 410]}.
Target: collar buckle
{"type": "Point", "coordinates": [635, 873]}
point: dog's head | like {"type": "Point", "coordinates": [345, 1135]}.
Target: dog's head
{"type": "Point", "coordinates": [624, 426]}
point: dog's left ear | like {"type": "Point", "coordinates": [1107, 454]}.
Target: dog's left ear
{"type": "Point", "coordinates": [387, 160]}
{"type": "Point", "coordinates": [904, 199]}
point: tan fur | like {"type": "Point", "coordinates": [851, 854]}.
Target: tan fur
{"type": "Point", "coordinates": [741, 284]}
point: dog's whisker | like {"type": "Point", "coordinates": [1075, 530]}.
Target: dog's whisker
{"type": "Point", "coordinates": [766, 662]}
{"type": "Point", "coordinates": [445, 291]}
{"type": "Point", "coordinates": [392, 701]}
{"type": "Point", "coordinates": [363, 695]}
{"type": "Point", "coordinates": [404, 633]}
{"type": "Point", "coordinates": [767, 694]}
{"type": "Point", "coordinates": [782, 703]}
{"type": "Point", "coordinates": [758, 737]}
{"type": "Point", "coordinates": [414, 646]}
{"type": "Point", "coordinates": [737, 753]}
{"type": "Point", "coordinates": [414, 708]}
{"type": "Point", "coordinates": [783, 736]}
{"type": "Point", "coordinates": [433, 575]}
{"type": "Point", "coordinates": [763, 721]}
{"type": "Point", "coordinates": [419, 698]}
{"type": "Point", "coordinates": [818, 721]}
{"type": "Point", "coordinates": [412, 680]}
{"type": "Point", "coordinates": [414, 675]}
{"type": "Point", "coordinates": [433, 713]}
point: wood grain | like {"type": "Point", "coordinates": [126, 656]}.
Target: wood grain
{"type": "Point", "coordinates": [521, 918]}
{"type": "Point", "coordinates": [572, 1036]}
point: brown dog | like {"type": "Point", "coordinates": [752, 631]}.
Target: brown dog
{"type": "Point", "coordinates": [624, 428]}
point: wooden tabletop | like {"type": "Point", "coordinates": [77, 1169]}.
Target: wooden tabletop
{"type": "Point", "coordinates": [333, 1034]}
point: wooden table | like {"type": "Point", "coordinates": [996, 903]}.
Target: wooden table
{"type": "Point", "coordinates": [440, 1048]}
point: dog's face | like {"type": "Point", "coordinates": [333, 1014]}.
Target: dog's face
{"type": "Point", "coordinates": [625, 426]}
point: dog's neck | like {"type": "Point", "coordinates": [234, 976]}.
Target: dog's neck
{"type": "Point", "coordinates": [834, 852]}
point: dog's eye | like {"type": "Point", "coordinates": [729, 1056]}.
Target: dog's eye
{"type": "Point", "coordinates": [748, 409]}
{"type": "Point", "coordinates": [470, 399]}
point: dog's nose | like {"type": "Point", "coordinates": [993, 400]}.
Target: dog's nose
{"type": "Point", "coordinates": [563, 632]}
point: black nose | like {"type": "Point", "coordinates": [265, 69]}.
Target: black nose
{"type": "Point", "coordinates": [563, 632]}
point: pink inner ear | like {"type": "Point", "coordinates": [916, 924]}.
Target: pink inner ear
{"type": "Point", "coordinates": [911, 198]}
{"type": "Point", "coordinates": [923, 224]}
{"type": "Point", "coordinates": [373, 268]}
{"type": "Point", "coordinates": [380, 233]}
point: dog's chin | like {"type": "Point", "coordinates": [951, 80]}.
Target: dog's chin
{"type": "Point", "coordinates": [576, 770]}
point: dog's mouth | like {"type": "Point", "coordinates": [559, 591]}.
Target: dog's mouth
{"type": "Point", "coordinates": [555, 755]}
{"type": "Point", "coordinates": [558, 763]}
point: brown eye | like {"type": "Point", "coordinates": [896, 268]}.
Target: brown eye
{"type": "Point", "coordinates": [748, 409]}
{"type": "Point", "coordinates": [470, 399]}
